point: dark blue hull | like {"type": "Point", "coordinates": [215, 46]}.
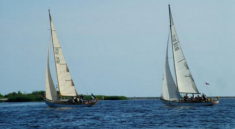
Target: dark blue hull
{"type": "Point", "coordinates": [175, 103]}
{"type": "Point", "coordinates": [76, 105]}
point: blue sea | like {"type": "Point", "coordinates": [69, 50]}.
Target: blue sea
{"type": "Point", "coordinates": [127, 114]}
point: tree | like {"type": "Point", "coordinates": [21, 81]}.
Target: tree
{"type": "Point", "coordinates": [1, 96]}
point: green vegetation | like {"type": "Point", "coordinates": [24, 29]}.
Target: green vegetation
{"type": "Point", "coordinates": [102, 97]}
{"type": "Point", "coordinates": [1, 96]}
{"type": "Point", "coordinates": [21, 97]}
{"type": "Point", "coordinates": [39, 96]}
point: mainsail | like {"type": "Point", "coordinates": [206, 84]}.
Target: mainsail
{"type": "Point", "coordinates": [51, 93]}
{"type": "Point", "coordinates": [169, 89]}
{"type": "Point", "coordinates": [65, 82]}
{"type": "Point", "coordinates": [184, 79]}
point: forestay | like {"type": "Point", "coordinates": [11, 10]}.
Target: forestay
{"type": "Point", "coordinates": [184, 77]}
{"type": "Point", "coordinates": [65, 82]}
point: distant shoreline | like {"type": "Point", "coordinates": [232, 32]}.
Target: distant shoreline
{"type": "Point", "coordinates": [106, 98]}
{"type": "Point", "coordinates": [37, 96]}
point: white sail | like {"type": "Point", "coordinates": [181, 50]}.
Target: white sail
{"type": "Point", "coordinates": [184, 77]}
{"type": "Point", "coordinates": [51, 93]}
{"type": "Point", "coordinates": [169, 89]}
{"type": "Point", "coordinates": [65, 82]}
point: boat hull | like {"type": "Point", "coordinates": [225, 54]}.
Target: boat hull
{"type": "Point", "coordinates": [175, 103]}
{"type": "Point", "coordinates": [76, 105]}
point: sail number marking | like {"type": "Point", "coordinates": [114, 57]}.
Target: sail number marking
{"type": "Point", "coordinates": [56, 51]}
{"type": "Point", "coordinates": [175, 42]}
{"type": "Point", "coordinates": [176, 46]}
{"type": "Point", "coordinates": [57, 60]}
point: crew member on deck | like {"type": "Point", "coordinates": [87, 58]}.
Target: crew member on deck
{"type": "Point", "coordinates": [204, 97]}
{"type": "Point", "coordinates": [186, 97]}
{"type": "Point", "coordinates": [81, 98]}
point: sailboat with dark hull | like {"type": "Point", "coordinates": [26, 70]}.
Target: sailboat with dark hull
{"type": "Point", "coordinates": [66, 96]}
{"type": "Point", "coordinates": [175, 92]}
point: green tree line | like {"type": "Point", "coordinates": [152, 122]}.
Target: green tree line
{"type": "Point", "coordinates": [39, 96]}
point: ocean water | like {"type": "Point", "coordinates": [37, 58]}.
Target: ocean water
{"type": "Point", "coordinates": [129, 114]}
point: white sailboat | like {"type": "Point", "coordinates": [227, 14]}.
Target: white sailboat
{"type": "Point", "coordinates": [66, 96]}
{"type": "Point", "coordinates": [184, 85]}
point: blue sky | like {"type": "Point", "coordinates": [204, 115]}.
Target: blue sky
{"type": "Point", "coordinates": [117, 47]}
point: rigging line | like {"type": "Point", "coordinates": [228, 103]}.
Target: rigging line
{"type": "Point", "coordinates": [171, 23]}
{"type": "Point", "coordinates": [50, 19]}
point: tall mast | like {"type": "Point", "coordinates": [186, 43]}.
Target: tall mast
{"type": "Point", "coordinates": [65, 82]}
{"type": "Point", "coordinates": [172, 23]}
{"type": "Point", "coordinates": [53, 48]}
